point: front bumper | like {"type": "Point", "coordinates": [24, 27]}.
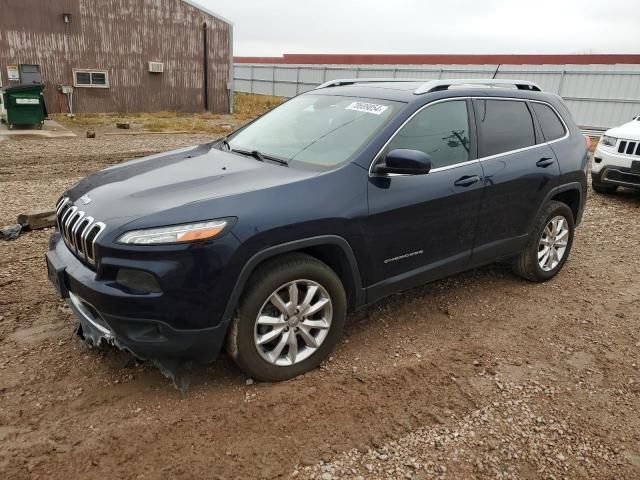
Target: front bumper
{"type": "Point", "coordinates": [618, 176]}
{"type": "Point", "coordinates": [610, 167]}
{"type": "Point", "coordinates": [144, 325]}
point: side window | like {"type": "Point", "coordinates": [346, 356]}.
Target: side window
{"type": "Point", "coordinates": [505, 125]}
{"type": "Point", "coordinates": [441, 130]}
{"type": "Point", "coordinates": [552, 127]}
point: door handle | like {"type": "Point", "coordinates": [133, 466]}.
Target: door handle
{"type": "Point", "coordinates": [467, 181]}
{"type": "Point", "coordinates": [544, 162]}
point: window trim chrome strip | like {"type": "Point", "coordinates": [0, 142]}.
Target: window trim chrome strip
{"type": "Point", "coordinates": [376, 158]}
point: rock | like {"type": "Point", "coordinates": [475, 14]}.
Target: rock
{"type": "Point", "coordinates": [326, 476]}
{"type": "Point", "coordinates": [91, 134]}
{"type": "Point", "coordinates": [10, 232]}
{"type": "Point", "coordinates": [249, 381]}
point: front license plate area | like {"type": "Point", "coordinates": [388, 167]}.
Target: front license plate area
{"type": "Point", "coordinates": [56, 273]}
{"type": "Point", "coordinates": [635, 166]}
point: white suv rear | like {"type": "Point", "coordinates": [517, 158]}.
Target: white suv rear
{"type": "Point", "coordinates": [616, 161]}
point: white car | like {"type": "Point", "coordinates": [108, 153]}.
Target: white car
{"type": "Point", "coordinates": [616, 161]}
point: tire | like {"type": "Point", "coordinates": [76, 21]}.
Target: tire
{"type": "Point", "coordinates": [604, 189]}
{"type": "Point", "coordinates": [527, 264]}
{"type": "Point", "coordinates": [264, 361]}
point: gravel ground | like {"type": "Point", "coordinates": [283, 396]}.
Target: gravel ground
{"type": "Point", "coordinates": [481, 375]}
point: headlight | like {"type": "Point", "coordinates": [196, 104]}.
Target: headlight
{"type": "Point", "coordinates": [608, 141]}
{"type": "Point", "coordinates": [188, 232]}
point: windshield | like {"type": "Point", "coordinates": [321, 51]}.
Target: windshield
{"type": "Point", "coordinates": [318, 130]}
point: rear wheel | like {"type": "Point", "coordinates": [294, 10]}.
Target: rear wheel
{"type": "Point", "coordinates": [549, 244]}
{"type": "Point", "coordinates": [289, 319]}
{"type": "Point", "coordinates": [604, 189]}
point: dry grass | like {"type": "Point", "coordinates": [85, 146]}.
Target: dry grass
{"type": "Point", "coordinates": [246, 107]}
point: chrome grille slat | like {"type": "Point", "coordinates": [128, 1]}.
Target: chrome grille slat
{"type": "Point", "coordinates": [76, 223]}
{"type": "Point", "coordinates": [79, 230]}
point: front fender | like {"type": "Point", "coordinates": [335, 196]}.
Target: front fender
{"type": "Point", "coordinates": [295, 245]}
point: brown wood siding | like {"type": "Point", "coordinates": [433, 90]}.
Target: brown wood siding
{"type": "Point", "coordinates": [120, 36]}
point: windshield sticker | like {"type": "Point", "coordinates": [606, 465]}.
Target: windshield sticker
{"type": "Point", "coordinates": [367, 107]}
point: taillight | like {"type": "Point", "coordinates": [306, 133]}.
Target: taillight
{"type": "Point", "coordinates": [587, 140]}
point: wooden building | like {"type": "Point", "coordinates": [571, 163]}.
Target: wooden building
{"type": "Point", "coordinates": [120, 55]}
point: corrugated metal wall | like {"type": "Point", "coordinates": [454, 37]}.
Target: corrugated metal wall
{"type": "Point", "coordinates": [120, 36]}
{"type": "Point", "coordinates": [599, 96]}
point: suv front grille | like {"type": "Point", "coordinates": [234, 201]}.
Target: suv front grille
{"type": "Point", "coordinates": [79, 230]}
{"type": "Point", "coordinates": [629, 147]}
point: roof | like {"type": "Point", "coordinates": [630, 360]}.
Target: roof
{"type": "Point", "coordinates": [437, 59]}
{"type": "Point", "coordinates": [207, 11]}
{"type": "Point", "coordinates": [409, 91]}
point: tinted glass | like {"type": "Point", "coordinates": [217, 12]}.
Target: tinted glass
{"type": "Point", "coordinates": [83, 78]}
{"type": "Point", "coordinates": [441, 130]}
{"type": "Point", "coordinates": [506, 125]}
{"type": "Point", "coordinates": [98, 79]}
{"type": "Point", "coordinates": [318, 130]}
{"type": "Point", "coordinates": [551, 125]}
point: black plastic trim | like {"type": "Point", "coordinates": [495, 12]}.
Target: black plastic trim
{"type": "Point", "coordinates": [256, 259]}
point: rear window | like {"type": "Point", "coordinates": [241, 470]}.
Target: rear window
{"type": "Point", "coordinates": [552, 127]}
{"type": "Point", "coordinates": [506, 125]}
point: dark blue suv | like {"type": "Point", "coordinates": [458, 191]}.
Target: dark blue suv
{"type": "Point", "coordinates": [262, 241]}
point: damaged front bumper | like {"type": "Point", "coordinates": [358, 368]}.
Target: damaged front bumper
{"type": "Point", "coordinates": [93, 302]}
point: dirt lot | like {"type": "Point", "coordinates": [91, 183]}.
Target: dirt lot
{"type": "Point", "coordinates": [478, 376]}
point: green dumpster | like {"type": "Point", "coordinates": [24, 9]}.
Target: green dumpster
{"type": "Point", "coordinates": [24, 105]}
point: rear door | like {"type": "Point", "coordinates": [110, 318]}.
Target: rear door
{"type": "Point", "coordinates": [520, 169]}
{"type": "Point", "coordinates": [421, 227]}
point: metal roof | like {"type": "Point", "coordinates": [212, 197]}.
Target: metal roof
{"type": "Point", "coordinates": [207, 11]}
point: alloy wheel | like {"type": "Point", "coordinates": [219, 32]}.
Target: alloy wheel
{"type": "Point", "coordinates": [293, 322]}
{"type": "Point", "coordinates": [553, 243]}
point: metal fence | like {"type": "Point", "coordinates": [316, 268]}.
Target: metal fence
{"type": "Point", "coordinates": [599, 96]}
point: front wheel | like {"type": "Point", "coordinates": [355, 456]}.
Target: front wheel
{"type": "Point", "coordinates": [289, 319]}
{"type": "Point", "coordinates": [549, 244]}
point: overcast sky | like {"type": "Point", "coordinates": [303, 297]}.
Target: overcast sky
{"type": "Point", "coordinates": [274, 27]}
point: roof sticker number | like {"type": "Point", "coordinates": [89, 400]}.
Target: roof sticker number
{"type": "Point", "coordinates": [367, 107]}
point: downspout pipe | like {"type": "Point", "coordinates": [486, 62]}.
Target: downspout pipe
{"type": "Point", "coordinates": [205, 64]}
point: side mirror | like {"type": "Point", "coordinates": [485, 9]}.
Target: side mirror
{"type": "Point", "coordinates": [404, 161]}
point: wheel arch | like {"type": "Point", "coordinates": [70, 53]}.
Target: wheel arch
{"type": "Point", "coordinates": [333, 250]}
{"type": "Point", "coordinates": [572, 197]}
{"type": "Point", "coordinates": [571, 194]}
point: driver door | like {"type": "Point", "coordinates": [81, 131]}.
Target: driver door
{"type": "Point", "coordinates": [422, 227]}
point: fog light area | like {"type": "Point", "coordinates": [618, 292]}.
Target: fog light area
{"type": "Point", "coordinates": [137, 281]}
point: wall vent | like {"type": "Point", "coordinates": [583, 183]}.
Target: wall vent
{"type": "Point", "coordinates": [156, 67]}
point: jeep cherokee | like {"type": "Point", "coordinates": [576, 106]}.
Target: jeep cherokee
{"type": "Point", "coordinates": [262, 241]}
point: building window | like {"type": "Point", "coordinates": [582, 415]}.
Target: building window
{"type": "Point", "coordinates": [90, 78]}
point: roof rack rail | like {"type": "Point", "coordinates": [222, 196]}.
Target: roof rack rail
{"type": "Point", "coordinates": [350, 81]}
{"type": "Point", "coordinates": [437, 85]}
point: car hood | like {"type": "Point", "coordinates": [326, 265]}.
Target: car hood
{"type": "Point", "coordinates": [161, 182]}
{"type": "Point", "coordinates": [628, 131]}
